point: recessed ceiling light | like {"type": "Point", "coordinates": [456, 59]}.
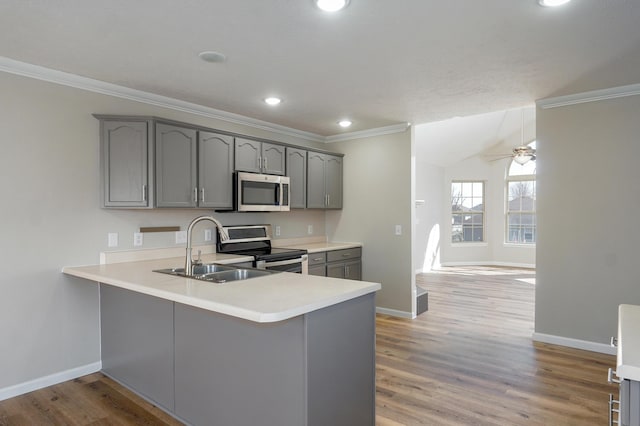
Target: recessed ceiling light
{"type": "Point", "coordinates": [552, 3]}
{"type": "Point", "coordinates": [331, 5]}
{"type": "Point", "coordinates": [345, 123]}
{"type": "Point", "coordinates": [210, 56]}
{"type": "Point", "coordinates": [272, 101]}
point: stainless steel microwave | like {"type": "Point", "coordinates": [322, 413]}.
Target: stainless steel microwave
{"type": "Point", "coordinates": [261, 193]}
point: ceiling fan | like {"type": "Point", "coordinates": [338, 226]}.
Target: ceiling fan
{"type": "Point", "coordinates": [521, 154]}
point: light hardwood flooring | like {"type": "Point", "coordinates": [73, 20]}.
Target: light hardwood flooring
{"type": "Point", "coordinates": [469, 360]}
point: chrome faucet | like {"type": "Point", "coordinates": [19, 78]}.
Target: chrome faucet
{"type": "Point", "coordinates": [188, 264]}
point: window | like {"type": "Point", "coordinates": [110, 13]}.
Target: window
{"type": "Point", "coordinates": [467, 212]}
{"type": "Point", "coordinates": [521, 202]}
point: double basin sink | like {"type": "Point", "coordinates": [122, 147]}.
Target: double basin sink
{"type": "Point", "coordinates": [218, 274]}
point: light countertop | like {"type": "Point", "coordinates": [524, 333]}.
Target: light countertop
{"type": "Point", "coordinates": [272, 298]}
{"type": "Point", "coordinates": [324, 246]}
{"type": "Point", "coordinates": [628, 361]}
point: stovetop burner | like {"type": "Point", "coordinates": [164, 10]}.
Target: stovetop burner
{"type": "Point", "coordinates": [255, 240]}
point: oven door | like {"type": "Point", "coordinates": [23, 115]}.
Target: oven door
{"type": "Point", "coordinates": [261, 193]}
{"type": "Point", "coordinates": [299, 265]}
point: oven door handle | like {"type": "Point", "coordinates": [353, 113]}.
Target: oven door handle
{"type": "Point", "coordinates": [261, 264]}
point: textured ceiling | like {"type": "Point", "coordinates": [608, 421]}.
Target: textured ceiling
{"type": "Point", "coordinates": [379, 62]}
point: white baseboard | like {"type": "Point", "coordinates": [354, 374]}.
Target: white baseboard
{"type": "Point", "coordinates": [394, 313]}
{"type": "Point", "coordinates": [602, 348]}
{"type": "Point", "coordinates": [504, 264]}
{"type": "Point", "coordinates": [53, 379]}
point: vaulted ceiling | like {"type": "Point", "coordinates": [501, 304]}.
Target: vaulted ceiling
{"type": "Point", "coordinates": [378, 62]}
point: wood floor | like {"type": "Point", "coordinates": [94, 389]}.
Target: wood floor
{"type": "Point", "coordinates": [469, 360]}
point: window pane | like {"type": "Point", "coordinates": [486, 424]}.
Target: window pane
{"type": "Point", "coordinates": [467, 211]}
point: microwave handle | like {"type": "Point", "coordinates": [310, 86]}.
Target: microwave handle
{"type": "Point", "coordinates": [278, 195]}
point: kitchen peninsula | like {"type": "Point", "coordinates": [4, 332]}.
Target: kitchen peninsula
{"type": "Point", "coordinates": [283, 349]}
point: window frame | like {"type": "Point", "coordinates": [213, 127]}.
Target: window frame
{"type": "Point", "coordinates": [482, 213]}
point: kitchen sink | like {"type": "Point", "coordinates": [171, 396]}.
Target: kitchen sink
{"type": "Point", "coordinates": [217, 273]}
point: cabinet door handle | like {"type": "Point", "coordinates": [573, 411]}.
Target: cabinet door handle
{"type": "Point", "coordinates": [265, 163]}
{"type": "Point", "coordinates": [259, 163]}
{"type": "Point", "coordinates": [346, 271]}
{"type": "Point", "coordinates": [610, 377]}
{"type": "Point", "coordinates": [614, 341]}
{"type": "Point", "coordinates": [144, 192]}
{"type": "Point", "coordinates": [195, 195]}
{"type": "Point", "coordinates": [613, 410]}
{"type": "Point", "coordinates": [202, 195]}
{"type": "Point", "coordinates": [317, 259]}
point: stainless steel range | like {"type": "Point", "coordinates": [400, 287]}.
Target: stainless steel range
{"type": "Point", "coordinates": [255, 240]}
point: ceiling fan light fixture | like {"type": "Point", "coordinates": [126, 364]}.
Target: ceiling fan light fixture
{"type": "Point", "coordinates": [331, 5]}
{"type": "Point", "coordinates": [552, 3]}
{"type": "Point", "coordinates": [345, 123]}
{"type": "Point", "coordinates": [522, 159]}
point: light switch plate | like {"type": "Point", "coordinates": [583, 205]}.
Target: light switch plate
{"type": "Point", "coordinates": [138, 239]}
{"type": "Point", "coordinates": [310, 229]}
{"type": "Point", "coordinates": [181, 237]}
{"type": "Point", "coordinates": [207, 234]}
{"type": "Point", "coordinates": [398, 229]}
{"type": "Point", "coordinates": [277, 230]}
{"type": "Point", "coordinates": [112, 239]}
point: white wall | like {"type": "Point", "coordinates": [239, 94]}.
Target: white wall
{"type": "Point", "coordinates": [377, 196]}
{"type": "Point", "coordinates": [430, 188]}
{"type": "Point", "coordinates": [51, 218]}
{"type": "Point", "coordinates": [588, 199]}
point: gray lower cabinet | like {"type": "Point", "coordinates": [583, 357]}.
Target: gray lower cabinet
{"type": "Point", "coordinates": [259, 157]}
{"type": "Point", "coordinates": [324, 181]}
{"type": "Point", "coordinates": [193, 168]}
{"type": "Point", "coordinates": [346, 263]}
{"type": "Point", "coordinates": [205, 368]}
{"type": "Point", "coordinates": [297, 172]}
{"type": "Point", "coordinates": [125, 161]}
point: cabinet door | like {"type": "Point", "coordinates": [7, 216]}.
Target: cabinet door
{"type": "Point", "coordinates": [176, 178]}
{"type": "Point", "coordinates": [353, 270]}
{"type": "Point", "coordinates": [315, 180]}
{"type": "Point", "coordinates": [297, 172]}
{"type": "Point", "coordinates": [248, 155]}
{"type": "Point", "coordinates": [333, 182]}
{"type": "Point", "coordinates": [318, 270]}
{"type": "Point", "coordinates": [215, 170]}
{"type": "Point", "coordinates": [335, 270]}
{"type": "Point", "coordinates": [273, 159]}
{"type": "Point", "coordinates": [125, 154]}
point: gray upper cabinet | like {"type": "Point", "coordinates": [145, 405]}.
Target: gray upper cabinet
{"type": "Point", "coordinates": [176, 166]}
{"type": "Point", "coordinates": [215, 170]}
{"type": "Point", "coordinates": [297, 172]}
{"type": "Point", "coordinates": [324, 181]}
{"type": "Point", "coordinates": [259, 157]}
{"type": "Point", "coordinates": [125, 155]}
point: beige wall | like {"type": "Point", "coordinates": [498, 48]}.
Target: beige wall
{"type": "Point", "coordinates": [377, 196]}
{"type": "Point", "coordinates": [588, 199]}
{"type": "Point", "coordinates": [51, 218]}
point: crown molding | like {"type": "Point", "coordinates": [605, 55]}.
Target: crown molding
{"type": "Point", "coordinates": [37, 72]}
{"type": "Point", "coordinates": [379, 131]}
{"type": "Point", "coordinates": [66, 79]}
{"type": "Point", "coordinates": [591, 96]}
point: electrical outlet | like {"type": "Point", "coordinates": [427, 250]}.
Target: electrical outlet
{"type": "Point", "coordinates": [181, 237]}
{"type": "Point", "coordinates": [398, 229]}
{"type": "Point", "coordinates": [277, 230]}
{"type": "Point", "coordinates": [207, 234]}
{"type": "Point", "coordinates": [112, 239]}
{"type": "Point", "coordinates": [309, 229]}
{"type": "Point", "coordinates": [138, 239]}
